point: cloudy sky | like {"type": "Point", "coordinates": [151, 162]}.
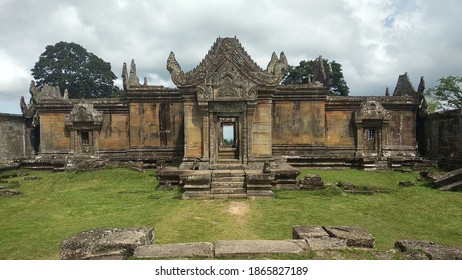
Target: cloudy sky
{"type": "Point", "coordinates": [374, 40]}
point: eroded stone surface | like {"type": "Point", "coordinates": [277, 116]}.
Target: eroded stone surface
{"type": "Point", "coordinates": [252, 247]}
{"type": "Point", "coordinates": [431, 249]}
{"type": "Point", "coordinates": [354, 236]}
{"type": "Point", "coordinates": [9, 192]}
{"type": "Point", "coordinates": [179, 250]}
{"type": "Point", "coordinates": [326, 243]}
{"type": "Point", "coordinates": [311, 182]}
{"type": "Point", "coordinates": [105, 243]}
{"type": "Point", "coordinates": [302, 232]}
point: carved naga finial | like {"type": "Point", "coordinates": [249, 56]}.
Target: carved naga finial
{"type": "Point", "coordinates": [130, 79]}
{"type": "Point", "coordinates": [125, 76]}
{"type": "Point", "coordinates": [277, 65]}
{"type": "Point", "coordinates": [175, 69]}
{"type": "Point", "coordinates": [273, 62]}
{"type": "Point", "coordinates": [319, 72]}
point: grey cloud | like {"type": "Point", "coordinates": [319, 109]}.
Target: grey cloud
{"type": "Point", "coordinates": [375, 41]}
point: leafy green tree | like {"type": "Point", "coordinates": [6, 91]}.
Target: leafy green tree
{"type": "Point", "coordinates": [72, 67]}
{"type": "Point", "coordinates": [448, 93]}
{"type": "Point", "coordinates": [300, 75]}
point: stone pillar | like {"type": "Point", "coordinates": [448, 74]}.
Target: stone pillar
{"type": "Point", "coordinates": [249, 130]}
{"type": "Point", "coordinates": [205, 131]}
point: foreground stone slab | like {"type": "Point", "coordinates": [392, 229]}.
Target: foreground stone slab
{"type": "Point", "coordinates": [354, 236]}
{"type": "Point", "coordinates": [114, 244]}
{"type": "Point", "coordinates": [172, 251]}
{"type": "Point", "coordinates": [431, 249]}
{"type": "Point", "coordinates": [256, 247]}
{"type": "Point", "coordinates": [326, 243]}
{"type": "Point", "coordinates": [302, 232]}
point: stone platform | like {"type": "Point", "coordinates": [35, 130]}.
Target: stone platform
{"type": "Point", "coordinates": [228, 183]}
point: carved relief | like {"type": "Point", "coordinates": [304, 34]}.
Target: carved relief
{"type": "Point", "coordinates": [228, 56]}
{"type": "Point", "coordinates": [83, 115]}
{"type": "Point", "coordinates": [372, 110]}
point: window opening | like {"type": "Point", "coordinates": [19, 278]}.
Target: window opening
{"type": "Point", "coordinates": [370, 134]}
{"type": "Point", "coordinates": [85, 137]}
{"type": "Point", "coordinates": [228, 134]}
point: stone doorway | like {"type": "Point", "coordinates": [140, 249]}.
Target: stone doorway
{"type": "Point", "coordinates": [228, 140]}
{"type": "Point", "coordinates": [370, 140]}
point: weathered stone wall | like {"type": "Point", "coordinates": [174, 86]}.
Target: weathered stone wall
{"type": "Point", "coordinates": [298, 122]}
{"type": "Point", "coordinates": [193, 130]}
{"type": "Point", "coordinates": [340, 129]}
{"type": "Point", "coordinates": [114, 133]}
{"type": "Point", "coordinates": [54, 137]}
{"type": "Point", "coordinates": [401, 137]}
{"type": "Point", "coordinates": [261, 129]}
{"type": "Point", "coordinates": [144, 125]}
{"type": "Point", "coordinates": [15, 137]}
{"type": "Point", "coordinates": [441, 138]}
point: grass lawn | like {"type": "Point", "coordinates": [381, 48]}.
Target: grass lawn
{"type": "Point", "coordinates": [59, 205]}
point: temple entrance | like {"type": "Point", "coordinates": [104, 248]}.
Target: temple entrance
{"type": "Point", "coordinates": [228, 139]}
{"type": "Point", "coordinates": [370, 140]}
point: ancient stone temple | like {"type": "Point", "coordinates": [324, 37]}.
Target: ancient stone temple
{"type": "Point", "coordinates": [229, 128]}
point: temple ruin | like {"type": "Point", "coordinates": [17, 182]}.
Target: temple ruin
{"type": "Point", "coordinates": [229, 128]}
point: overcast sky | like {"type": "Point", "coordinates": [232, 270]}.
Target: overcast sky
{"type": "Point", "coordinates": [374, 40]}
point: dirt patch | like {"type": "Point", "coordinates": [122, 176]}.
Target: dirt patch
{"type": "Point", "coordinates": [238, 208]}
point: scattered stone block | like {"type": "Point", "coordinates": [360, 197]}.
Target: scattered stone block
{"type": "Point", "coordinates": [105, 243]}
{"type": "Point", "coordinates": [311, 182]}
{"type": "Point", "coordinates": [255, 247]}
{"type": "Point", "coordinates": [173, 251]}
{"type": "Point", "coordinates": [406, 184]}
{"type": "Point", "coordinates": [326, 243]}
{"type": "Point", "coordinates": [302, 232]}
{"type": "Point", "coordinates": [354, 236]}
{"type": "Point", "coordinates": [8, 192]}
{"type": "Point", "coordinates": [31, 178]}
{"type": "Point", "coordinates": [451, 181]}
{"type": "Point", "coordinates": [138, 166]}
{"type": "Point", "coordinates": [431, 249]}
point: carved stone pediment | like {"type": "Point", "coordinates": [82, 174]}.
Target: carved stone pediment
{"type": "Point", "coordinates": [48, 92]}
{"type": "Point", "coordinates": [227, 73]}
{"type": "Point", "coordinates": [372, 110]}
{"type": "Point", "coordinates": [84, 116]}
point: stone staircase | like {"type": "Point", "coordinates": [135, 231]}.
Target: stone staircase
{"type": "Point", "coordinates": [228, 184]}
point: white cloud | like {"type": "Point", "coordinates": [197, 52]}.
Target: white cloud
{"type": "Point", "coordinates": [374, 40]}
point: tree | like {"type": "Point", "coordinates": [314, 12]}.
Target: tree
{"type": "Point", "coordinates": [72, 67]}
{"type": "Point", "coordinates": [448, 93]}
{"type": "Point", "coordinates": [300, 74]}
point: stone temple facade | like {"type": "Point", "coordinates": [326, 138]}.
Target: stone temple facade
{"type": "Point", "coordinates": [226, 121]}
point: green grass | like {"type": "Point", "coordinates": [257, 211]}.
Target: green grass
{"type": "Point", "coordinates": [62, 204]}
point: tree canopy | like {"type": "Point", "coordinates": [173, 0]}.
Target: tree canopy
{"type": "Point", "coordinates": [448, 93]}
{"type": "Point", "coordinates": [300, 75]}
{"type": "Point", "coordinates": [70, 66]}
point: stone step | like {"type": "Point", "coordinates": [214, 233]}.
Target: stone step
{"type": "Point", "coordinates": [227, 173]}
{"type": "Point", "coordinates": [227, 185]}
{"type": "Point", "coordinates": [227, 191]}
{"type": "Point", "coordinates": [229, 179]}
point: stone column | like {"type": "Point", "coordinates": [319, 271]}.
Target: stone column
{"type": "Point", "coordinates": [248, 142]}
{"type": "Point", "coordinates": [205, 131]}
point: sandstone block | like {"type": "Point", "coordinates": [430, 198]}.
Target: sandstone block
{"type": "Point", "coordinates": [105, 243]}
{"type": "Point", "coordinates": [302, 232]}
{"type": "Point", "coordinates": [354, 236]}
{"type": "Point", "coordinates": [172, 251]}
{"type": "Point", "coordinates": [326, 243]}
{"type": "Point", "coordinates": [431, 249]}
{"type": "Point", "coordinates": [256, 247]}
